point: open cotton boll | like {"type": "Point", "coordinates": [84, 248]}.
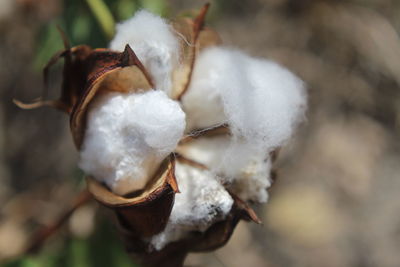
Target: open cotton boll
{"type": "Point", "coordinates": [202, 202]}
{"type": "Point", "coordinates": [128, 135]}
{"type": "Point", "coordinates": [243, 167]}
{"type": "Point", "coordinates": [153, 41]}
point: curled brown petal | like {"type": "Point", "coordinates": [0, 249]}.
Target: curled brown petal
{"type": "Point", "coordinates": [129, 58]}
{"type": "Point", "coordinates": [107, 71]}
{"type": "Point", "coordinates": [181, 158]}
{"type": "Point", "coordinates": [146, 212]}
{"type": "Point", "coordinates": [197, 26]}
{"type": "Point", "coordinates": [247, 212]}
{"type": "Point", "coordinates": [212, 131]}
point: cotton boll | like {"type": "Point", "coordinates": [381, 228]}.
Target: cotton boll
{"type": "Point", "coordinates": [127, 137]}
{"type": "Point", "coordinates": [154, 42]}
{"type": "Point", "coordinates": [202, 202]}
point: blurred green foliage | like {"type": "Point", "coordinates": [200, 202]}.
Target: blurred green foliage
{"type": "Point", "coordinates": [103, 16]}
{"type": "Point", "coordinates": [90, 22]}
{"type": "Point", "coordinates": [102, 249]}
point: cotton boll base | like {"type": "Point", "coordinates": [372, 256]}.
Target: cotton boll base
{"type": "Point", "coordinates": [127, 137]}
{"type": "Point", "coordinates": [202, 202]}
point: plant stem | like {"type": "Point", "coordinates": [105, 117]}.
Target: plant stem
{"type": "Point", "coordinates": [103, 16]}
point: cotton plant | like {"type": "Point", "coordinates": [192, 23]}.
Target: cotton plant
{"type": "Point", "coordinates": [176, 132]}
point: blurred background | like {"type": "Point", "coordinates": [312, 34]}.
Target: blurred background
{"type": "Point", "coordinates": [336, 201]}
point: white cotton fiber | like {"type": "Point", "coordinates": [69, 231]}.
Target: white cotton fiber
{"type": "Point", "coordinates": [154, 42]}
{"type": "Point", "coordinates": [253, 179]}
{"type": "Point", "coordinates": [260, 100]}
{"type": "Point", "coordinates": [207, 151]}
{"type": "Point", "coordinates": [246, 169]}
{"type": "Point", "coordinates": [128, 135]}
{"type": "Point", "coordinates": [241, 166]}
{"type": "Point", "coordinates": [202, 202]}
{"type": "Point", "coordinates": [202, 101]}
{"type": "Point", "coordinates": [267, 111]}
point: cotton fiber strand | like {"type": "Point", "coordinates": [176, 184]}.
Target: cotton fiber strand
{"type": "Point", "coordinates": [154, 42]}
{"type": "Point", "coordinates": [202, 202]}
{"type": "Point", "coordinates": [127, 137]}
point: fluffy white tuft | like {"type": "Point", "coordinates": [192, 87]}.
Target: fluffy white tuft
{"type": "Point", "coordinates": [202, 101]}
{"type": "Point", "coordinates": [154, 42]}
{"type": "Point", "coordinates": [128, 135]}
{"type": "Point", "coordinates": [261, 101]}
{"type": "Point", "coordinates": [252, 180]}
{"type": "Point", "coordinates": [243, 168]}
{"type": "Point", "coordinates": [202, 202]}
{"type": "Point", "coordinates": [269, 109]}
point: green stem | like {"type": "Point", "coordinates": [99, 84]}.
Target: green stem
{"type": "Point", "coordinates": [103, 16]}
